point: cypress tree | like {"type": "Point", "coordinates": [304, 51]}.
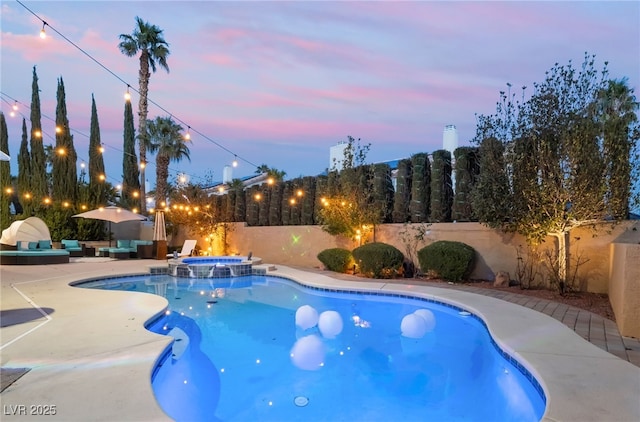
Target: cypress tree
{"type": "Point", "coordinates": [253, 207]}
{"type": "Point", "coordinates": [275, 205]}
{"type": "Point", "coordinates": [382, 193]}
{"type": "Point", "coordinates": [97, 175]}
{"type": "Point", "coordinates": [24, 175]}
{"type": "Point", "coordinates": [5, 175]}
{"type": "Point", "coordinates": [308, 200]}
{"type": "Point", "coordinates": [240, 208]}
{"type": "Point", "coordinates": [38, 168]}
{"type": "Point", "coordinates": [441, 189]}
{"type": "Point", "coordinates": [402, 194]}
{"type": "Point", "coordinates": [287, 191]}
{"type": "Point", "coordinates": [229, 215]}
{"type": "Point", "coordinates": [130, 170]}
{"type": "Point", "coordinates": [466, 174]}
{"type": "Point", "coordinates": [65, 159]}
{"type": "Point", "coordinates": [491, 194]}
{"type": "Point", "coordinates": [321, 192]}
{"type": "Point", "coordinates": [420, 188]}
{"type": "Point", "coordinates": [264, 204]}
{"type": "Point", "coordinates": [295, 202]}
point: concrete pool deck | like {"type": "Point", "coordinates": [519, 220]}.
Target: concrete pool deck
{"type": "Point", "coordinates": [90, 357]}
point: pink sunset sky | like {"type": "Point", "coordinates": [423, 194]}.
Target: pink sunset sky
{"type": "Point", "coordinates": [279, 83]}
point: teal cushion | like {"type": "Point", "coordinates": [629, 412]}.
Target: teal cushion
{"type": "Point", "coordinates": [123, 243]}
{"type": "Point", "coordinates": [33, 245]}
{"type": "Point", "coordinates": [70, 243]}
{"type": "Point", "coordinates": [44, 244]}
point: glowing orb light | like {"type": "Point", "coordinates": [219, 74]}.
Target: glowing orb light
{"type": "Point", "coordinates": [413, 326]}
{"type": "Point", "coordinates": [330, 324]}
{"type": "Point", "coordinates": [428, 317]}
{"type": "Point", "coordinates": [308, 353]}
{"type": "Point", "coordinates": [306, 317]}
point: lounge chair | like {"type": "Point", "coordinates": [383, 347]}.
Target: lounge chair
{"type": "Point", "coordinates": [187, 249]}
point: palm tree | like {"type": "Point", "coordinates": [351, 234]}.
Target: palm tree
{"type": "Point", "coordinates": [164, 138]}
{"type": "Point", "coordinates": [148, 41]}
{"type": "Point", "coordinates": [617, 109]}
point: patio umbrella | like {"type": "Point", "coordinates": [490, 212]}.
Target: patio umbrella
{"type": "Point", "coordinates": [112, 215]}
{"type": "Point", "coordinates": [4, 157]}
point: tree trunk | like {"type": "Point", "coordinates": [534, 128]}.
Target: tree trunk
{"type": "Point", "coordinates": [142, 126]}
{"type": "Point", "coordinates": [563, 259]}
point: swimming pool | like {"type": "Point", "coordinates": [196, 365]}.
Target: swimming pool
{"type": "Point", "coordinates": [240, 355]}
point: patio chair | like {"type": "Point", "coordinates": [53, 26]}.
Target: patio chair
{"type": "Point", "coordinates": [187, 249]}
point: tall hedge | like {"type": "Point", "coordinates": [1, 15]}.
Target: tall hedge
{"type": "Point", "coordinates": [308, 200]}
{"type": "Point", "coordinates": [420, 188]}
{"type": "Point", "coordinates": [382, 192]}
{"type": "Point", "coordinates": [441, 189]}
{"type": "Point", "coordinates": [275, 205]}
{"type": "Point", "coordinates": [466, 174]}
{"type": "Point", "coordinates": [402, 194]}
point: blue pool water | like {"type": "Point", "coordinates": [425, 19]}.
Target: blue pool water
{"type": "Point", "coordinates": [259, 348]}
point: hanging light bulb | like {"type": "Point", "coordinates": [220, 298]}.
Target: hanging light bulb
{"type": "Point", "coordinates": [101, 149]}
{"type": "Point", "coordinates": [127, 95]}
{"type": "Point", "coordinates": [187, 135]}
{"type": "Point", "coordinates": [43, 34]}
{"type": "Point", "coordinates": [235, 161]}
{"type": "Point", "coordinates": [15, 105]}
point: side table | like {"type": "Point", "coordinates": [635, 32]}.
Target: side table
{"type": "Point", "coordinates": [89, 251]}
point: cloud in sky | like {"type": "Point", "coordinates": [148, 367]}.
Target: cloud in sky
{"type": "Point", "coordinates": [279, 83]}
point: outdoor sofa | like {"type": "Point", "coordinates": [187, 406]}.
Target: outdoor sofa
{"type": "Point", "coordinates": [129, 249]}
{"type": "Point", "coordinates": [74, 247]}
{"type": "Point", "coordinates": [34, 253]}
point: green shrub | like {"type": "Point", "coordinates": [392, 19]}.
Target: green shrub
{"type": "Point", "coordinates": [451, 261]}
{"type": "Point", "coordinates": [337, 259]}
{"type": "Point", "coordinates": [378, 260]}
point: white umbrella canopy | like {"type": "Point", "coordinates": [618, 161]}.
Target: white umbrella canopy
{"type": "Point", "coordinates": [112, 215]}
{"type": "Point", "coordinates": [4, 157]}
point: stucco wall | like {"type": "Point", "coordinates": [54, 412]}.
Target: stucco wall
{"type": "Point", "coordinates": [624, 285]}
{"type": "Point", "coordinates": [496, 251]}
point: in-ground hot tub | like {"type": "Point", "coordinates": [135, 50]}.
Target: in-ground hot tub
{"type": "Point", "coordinates": [212, 266]}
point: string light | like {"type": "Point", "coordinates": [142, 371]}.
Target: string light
{"type": "Point", "coordinates": [127, 95]}
{"type": "Point", "coordinates": [43, 34]}
{"type": "Point", "coordinates": [187, 135]}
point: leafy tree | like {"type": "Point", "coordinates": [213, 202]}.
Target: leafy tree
{"type": "Point", "coordinates": [130, 196]}
{"type": "Point", "coordinates": [466, 172]}
{"type": "Point", "coordinates": [419, 206]}
{"type": "Point", "coordinates": [24, 174]}
{"type": "Point", "coordinates": [166, 140]}
{"type": "Point", "coordinates": [5, 176]}
{"type": "Point", "coordinates": [147, 40]}
{"type": "Point", "coordinates": [38, 167]}
{"type": "Point", "coordinates": [562, 157]}
{"type": "Point", "coordinates": [64, 175]}
{"type": "Point", "coordinates": [348, 208]}
{"type": "Point", "coordinates": [441, 189]}
{"type": "Point", "coordinates": [402, 194]}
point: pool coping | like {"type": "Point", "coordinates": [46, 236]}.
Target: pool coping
{"type": "Point", "coordinates": [95, 345]}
